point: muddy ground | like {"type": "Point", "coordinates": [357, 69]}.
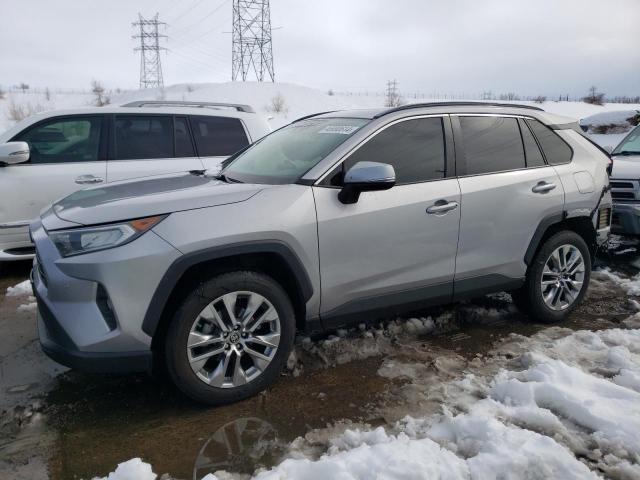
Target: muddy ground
{"type": "Point", "coordinates": [60, 424]}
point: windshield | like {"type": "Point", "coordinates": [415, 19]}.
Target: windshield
{"type": "Point", "coordinates": [630, 145]}
{"type": "Point", "coordinates": [287, 154]}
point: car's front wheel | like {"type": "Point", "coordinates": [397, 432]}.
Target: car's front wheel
{"type": "Point", "coordinates": [230, 338]}
{"type": "Point", "coordinates": [557, 279]}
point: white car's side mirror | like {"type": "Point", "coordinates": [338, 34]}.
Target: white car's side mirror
{"type": "Point", "coordinates": [14, 152]}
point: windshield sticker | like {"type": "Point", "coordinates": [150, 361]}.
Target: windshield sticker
{"type": "Point", "coordinates": [339, 129]}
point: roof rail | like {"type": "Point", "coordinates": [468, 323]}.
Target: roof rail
{"type": "Point", "coordinates": [180, 103]}
{"type": "Point", "coordinates": [455, 104]}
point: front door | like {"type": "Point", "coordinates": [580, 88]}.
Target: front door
{"type": "Point", "coordinates": [393, 249]}
{"type": "Point", "coordinates": [67, 154]}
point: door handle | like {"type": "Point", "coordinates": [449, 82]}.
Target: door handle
{"type": "Point", "coordinates": [441, 207]}
{"type": "Point", "coordinates": [88, 179]}
{"type": "Point", "coordinates": [543, 187]}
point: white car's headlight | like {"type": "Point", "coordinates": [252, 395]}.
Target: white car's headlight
{"type": "Point", "coordinates": [91, 239]}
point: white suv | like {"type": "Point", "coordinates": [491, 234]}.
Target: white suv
{"type": "Point", "coordinates": [51, 155]}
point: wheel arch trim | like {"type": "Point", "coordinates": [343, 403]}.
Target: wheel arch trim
{"type": "Point", "coordinates": [543, 227]}
{"type": "Point", "coordinates": [179, 267]}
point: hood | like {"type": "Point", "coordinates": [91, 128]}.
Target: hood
{"type": "Point", "coordinates": [152, 196]}
{"type": "Point", "coordinates": [627, 168]}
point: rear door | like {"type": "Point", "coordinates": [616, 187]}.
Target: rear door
{"type": "Point", "coordinates": [507, 190]}
{"type": "Point", "coordinates": [144, 145]}
{"type": "Point", "coordinates": [217, 138]}
{"type": "Point", "coordinates": [397, 247]}
{"type": "Point", "coordinates": [67, 154]}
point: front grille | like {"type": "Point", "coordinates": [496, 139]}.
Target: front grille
{"type": "Point", "coordinates": [622, 185]}
{"type": "Point", "coordinates": [625, 190]}
{"type": "Point", "coordinates": [623, 195]}
{"type": "Point", "coordinates": [604, 218]}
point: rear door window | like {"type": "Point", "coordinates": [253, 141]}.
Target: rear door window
{"type": "Point", "coordinates": [218, 136]}
{"type": "Point", "coordinates": [71, 139]}
{"type": "Point", "coordinates": [143, 137]}
{"type": "Point", "coordinates": [555, 149]}
{"type": "Point", "coordinates": [491, 144]}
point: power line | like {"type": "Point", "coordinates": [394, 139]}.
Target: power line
{"type": "Point", "coordinates": [202, 19]}
{"type": "Point", "coordinates": [252, 46]}
{"type": "Point", "coordinates": [150, 66]}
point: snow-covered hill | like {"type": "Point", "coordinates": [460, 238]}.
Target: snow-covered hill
{"type": "Point", "coordinates": [298, 100]}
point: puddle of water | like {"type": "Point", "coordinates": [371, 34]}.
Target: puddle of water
{"type": "Point", "coordinates": [102, 423]}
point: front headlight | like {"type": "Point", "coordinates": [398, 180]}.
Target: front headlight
{"type": "Point", "coordinates": [91, 239]}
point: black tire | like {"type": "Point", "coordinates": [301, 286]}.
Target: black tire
{"type": "Point", "coordinates": [529, 298]}
{"type": "Point", "coordinates": [176, 358]}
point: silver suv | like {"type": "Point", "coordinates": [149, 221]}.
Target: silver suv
{"type": "Point", "coordinates": [333, 219]}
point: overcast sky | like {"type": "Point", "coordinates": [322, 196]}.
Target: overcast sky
{"type": "Point", "coordinates": [432, 46]}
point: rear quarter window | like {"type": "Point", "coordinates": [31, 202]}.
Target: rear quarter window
{"type": "Point", "coordinates": [555, 150]}
{"type": "Point", "coordinates": [218, 136]}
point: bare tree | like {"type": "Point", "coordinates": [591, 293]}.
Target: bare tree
{"type": "Point", "coordinates": [594, 97]}
{"type": "Point", "coordinates": [47, 94]}
{"type": "Point", "coordinates": [509, 96]}
{"type": "Point", "coordinates": [331, 93]}
{"type": "Point", "coordinates": [24, 87]}
{"type": "Point", "coordinates": [16, 112]}
{"type": "Point", "coordinates": [1, 93]}
{"type": "Point", "coordinates": [277, 104]}
{"type": "Point", "coordinates": [540, 99]}
{"type": "Point", "coordinates": [98, 90]}
{"type": "Point", "coordinates": [190, 88]}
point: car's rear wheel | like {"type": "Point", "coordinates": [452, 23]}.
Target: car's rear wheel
{"type": "Point", "coordinates": [557, 279]}
{"type": "Point", "coordinates": [230, 338]}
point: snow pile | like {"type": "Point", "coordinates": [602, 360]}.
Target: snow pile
{"type": "Point", "coordinates": [577, 397]}
{"type": "Point", "coordinates": [614, 121]}
{"type": "Point", "coordinates": [629, 285]}
{"type": "Point", "coordinates": [134, 469]}
{"type": "Point", "coordinates": [566, 408]}
{"type": "Point", "coordinates": [363, 342]}
{"type": "Point", "coordinates": [28, 307]}
{"type": "Point", "coordinates": [23, 288]}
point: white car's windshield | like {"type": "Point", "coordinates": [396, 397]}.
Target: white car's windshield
{"type": "Point", "coordinates": [630, 145]}
{"type": "Point", "coordinates": [287, 154]}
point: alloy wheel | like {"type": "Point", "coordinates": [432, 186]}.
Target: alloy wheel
{"type": "Point", "coordinates": [233, 339]}
{"type": "Point", "coordinates": [562, 277]}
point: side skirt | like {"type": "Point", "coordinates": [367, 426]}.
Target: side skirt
{"type": "Point", "coordinates": [397, 303]}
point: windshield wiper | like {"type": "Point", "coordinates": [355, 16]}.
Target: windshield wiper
{"type": "Point", "coordinates": [227, 179]}
{"type": "Point", "coordinates": [233, 180]}
{"type": "Point", "coordinates": [625, 153]}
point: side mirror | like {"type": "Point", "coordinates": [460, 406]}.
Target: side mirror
{"type": "Point", "coordinates": [14, 152]}
{"type": "Point", "coordinates": [366, 177]}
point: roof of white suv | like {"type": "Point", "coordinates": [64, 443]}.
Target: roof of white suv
{"type": "Point", "coordinates": [256, 124]}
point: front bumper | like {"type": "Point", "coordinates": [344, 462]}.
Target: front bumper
{"type": "Point", "coordinates": [60, 348]}
{"type": "Point", "coordinates": [91, 307]}
{"type": "Point", "coordinates": [626, 219]}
